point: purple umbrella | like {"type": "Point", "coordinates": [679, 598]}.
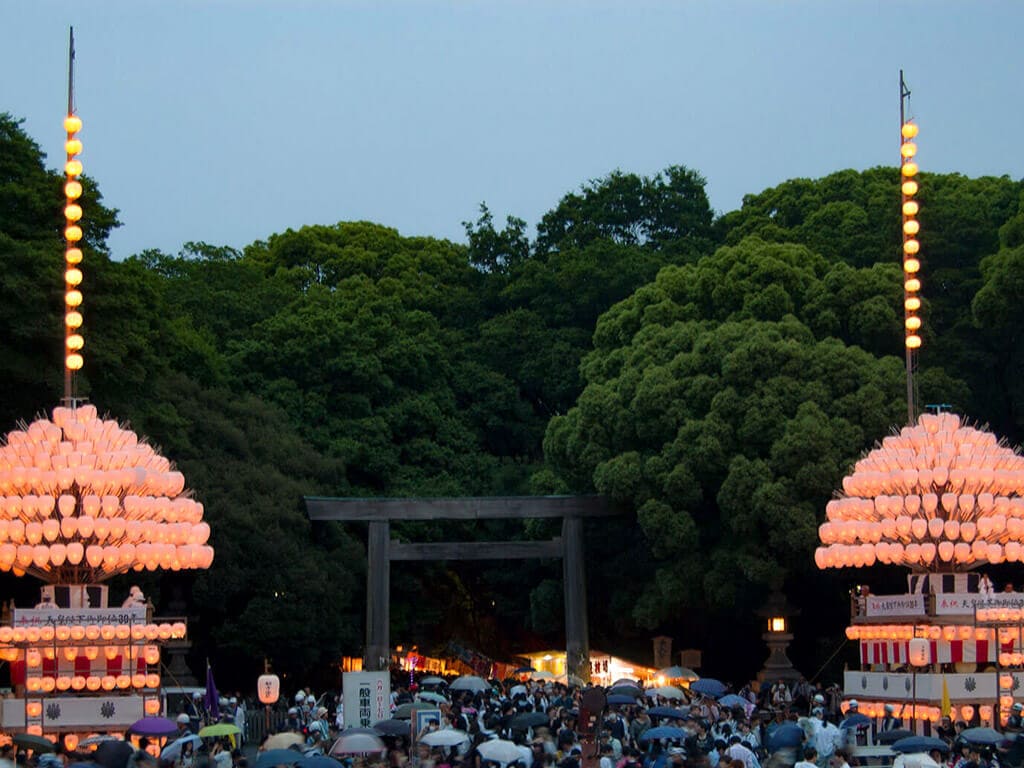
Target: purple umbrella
{"type": "Point", "coordinates": [212, 699]}
{"type": "Point", "coordinates": [153, 726]}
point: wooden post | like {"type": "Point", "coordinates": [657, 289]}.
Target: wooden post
{"type": "Point", "coordinates": [377, 652]}
{"type": "Point", "coordinates": [577, 644]}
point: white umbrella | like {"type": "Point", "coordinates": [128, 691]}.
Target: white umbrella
{"type": "Point", "coordinates": [173, 750]}
{"type": "Point", "coordinates": [542, 674]}
{"type": "Point", "coordinates": [469, 683]}
{"type": "Point", "coordinates": [431, 681]}
{"type": "Point", "coordinates": [915, 760]}
{"type": "Point", "coordinates": [500, 751]}
{"type": "Point", "coordinates": [666, 692]}
{"type": "Point", "coordinates": [448, 737]}
{"type": "Point", "coordinates": [515, 690]}
{"type": "Point", "coordinates": [357, 741]}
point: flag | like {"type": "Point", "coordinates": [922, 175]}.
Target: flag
{"type": "Point", "coordinates": [212, 699]}
{"type": "Point", "coordinates": [944, 708]}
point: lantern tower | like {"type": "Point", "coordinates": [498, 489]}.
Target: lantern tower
{"type": "Point", "coordinates": [82, 499]}
{"type": "Point", "coordinates": [944, 499]}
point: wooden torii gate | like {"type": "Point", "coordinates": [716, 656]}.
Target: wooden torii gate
{"type": "Point", "coordinates": [381, 550]}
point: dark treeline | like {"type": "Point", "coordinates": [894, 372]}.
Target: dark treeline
{"type": "Point", "coordinates": [714, 376]}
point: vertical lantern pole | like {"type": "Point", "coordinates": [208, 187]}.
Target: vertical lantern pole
{"type": "Point", "coordinates": [911, 246]}
{"type": "Point", "coordinates": [73, 341]}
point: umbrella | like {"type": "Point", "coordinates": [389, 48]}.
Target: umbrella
{"type": "Point", "coordinates": [357, 742]}
{"type": "Point", "coordinates": [285, 739]}
{"type": "Point", "coordinates": [515, 690]}
{"type": "Point", "coordinates": [625, 690]}
{"type": "Point", "coordinates": [432, 681]}
{"type": "Point", "coordinates": [173, 750]}
{"type": "Point", "coordinates": [732, 700]}
{"type": "Point", "coordinates": [670, 712]}
{"type": "Point", "coordinates": [529, 720]}
{"type": "Point", "coordinates": [667, 692]}
{"type": "Point", "coordinates": [617, 699]}
{"type": "Point", "coordinates": [469, 683]}
{"type": "Point", "coordinates": [708, 686]}
{"type": "Point", "coordinates": [625, 681]}
{"type": "Point", "coordinates": [786, 735]}
{"type": "Point", "coordinates": [677, 673]}
{"type": "Point", "coordinates": [113, 754]}
{"type": "Point", "coordinates": [405, 711]}
{"type": "Point", "coordinates": [37, 744]}
{"type": "Point", "coordinates": [981, 736]}
{"type": "Point", "coordinates": [274, 757]}
{"type": "Point", "coordinates": [99, 738]}
{"type": "Point", "coordinates": [318, 761]}
{"type": "Point", "coordinates": [154, 726]}
{"type": "Point", "coordinates": [393, 728]}
{"type": "Point", "coordinates": [890, 737]}
{"type": "Point", "coordinates": [914, 760]}
{"type": "Point", "coordinates": [542, 674]}
{"type": "Point", "coordinates": [855, 720]}
{"type": "Point", "coordinates": [524, 670]}
{"type": "Point", "coordinates": [663, 732]}
{"type": "Point", "coordinates": [446, 738]}
{"type": "Point", "coordinates": [912, 744]}
{"type": "Point", "coordinates": [500, 751]}
{"type": "Point", "coordinates": [219, 729]}
{"type": "Point", "coordinates": [436, 698]}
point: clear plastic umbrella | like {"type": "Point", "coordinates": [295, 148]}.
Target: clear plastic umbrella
{"type": "Point", "coordinates": [448, 737]}
{"type": "Point", "coordinates": [469, 683]}
{"type": "Point", "coordinates": [357, 741]}
{"type": "Point", "coordinates": [500, 751]}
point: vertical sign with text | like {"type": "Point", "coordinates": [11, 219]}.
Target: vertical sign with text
{"type": "Point", "coordinates": [367, 698]}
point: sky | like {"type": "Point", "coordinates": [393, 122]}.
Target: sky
{"type": "Point", "coordinates": [226, 121]}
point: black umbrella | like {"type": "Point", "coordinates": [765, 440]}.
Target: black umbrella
{"type": "Point", "coordinates": [982, 736]}
{"type": "Point", "coordinates": [620, 699]}
{"type": "Point", "coordinates": [393, 728]}
{"type": "Point", "coordinates": [662, 732]}
{"type": "Point", "coordinates": [274, 757]}
{"type": "Point", "coordinates": [529, 720]}
{"type": "Point", "coordinates": [625, 690]}
{"type": "Point", "coordinates": [889, 737]}
{"type": "Point", "coordinates": [113, 754]}
{"type": "Point", "coordinates": [36, 743]}
{"type": "Point", "coordinates": [912, 744]}
{"type": "Point", "coordinates": [670, 712]}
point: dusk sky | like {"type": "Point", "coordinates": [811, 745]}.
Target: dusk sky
{"type": "Point", "coordinates": [227, 121]}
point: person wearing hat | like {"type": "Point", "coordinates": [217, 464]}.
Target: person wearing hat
{"type": "Point", "coordinates": [318, 730]}
{"type": "Point", "coordinates": [890, 722]}
{"type": "Point", "coordinates": [183, 722]}
{"type": "Point", "coordinates": [1016, 719]}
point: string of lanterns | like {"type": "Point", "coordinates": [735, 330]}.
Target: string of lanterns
{"type": "Point", "coordinates": [911, 245]}
{"type": "Point", "coordinates": [921, 712]}
{"type": "Point", "coordinates": [73, 340]}
{"type": "Point", "coordinates": [79, 491]}
{"type": "Point", "coordinates": [937, 494]}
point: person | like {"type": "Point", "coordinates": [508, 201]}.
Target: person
{"type": "Point", "coordinates": [1008, 587]}
{"type": "Point", "coordinates": [1014, 722]}
{"type": "Point", "coordinates": [810, 758]}
{"type": "Point", "coordinates": [318, 729]}
{"type": "Point", "coordinates": [7, 756]}
{"type": "Point", "coordinates": [985, 585]}
{"type": "Point", "coordinates": [184, 723]}
{"type": "Point", "coordinates": [738, 751]}
{"type": "Point", "coordinates": [890, 722]}
{"type": "Point", "coordinates": [239, 704]}
{"type": "Point", "coordinates": [841, 759]}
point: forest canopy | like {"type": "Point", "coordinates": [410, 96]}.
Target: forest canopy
{"type": "Point", "coordinates": [714, 375]}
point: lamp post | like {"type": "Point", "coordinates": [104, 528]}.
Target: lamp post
{"type": "Point", "coordinates": [777, 613]}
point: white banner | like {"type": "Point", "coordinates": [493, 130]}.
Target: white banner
{"type": "Point", "coordinates": [367, 698]}
{"type": "Point", "coordinates": [894, 605]}
{"type": "Point", "coordinates": [964, 603]}
{"type": "Point", "coordinates": [110, 712]}
{"type": "Point", "coordinates": [41, 617]}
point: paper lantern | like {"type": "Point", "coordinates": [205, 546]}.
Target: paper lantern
{"type": "Point", "coordinates": [269, 688]}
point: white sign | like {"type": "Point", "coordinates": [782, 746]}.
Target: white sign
{"type": "Point", "coordinates": [424, 717]}
{"type": "Point", "coordinates": [41, 617]}
{"type": "Point", "coordinates": [101, 712]}
{"type": "Point", "coordinates": [964, 603]}
{"type": "Point", "coordinates": [894, 605]}
{"type": "Point", "coordinates": [367, 698]}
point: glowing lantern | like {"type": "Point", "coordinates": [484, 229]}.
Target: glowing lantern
{"type": "Point", "coordinates": [269, 688]}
